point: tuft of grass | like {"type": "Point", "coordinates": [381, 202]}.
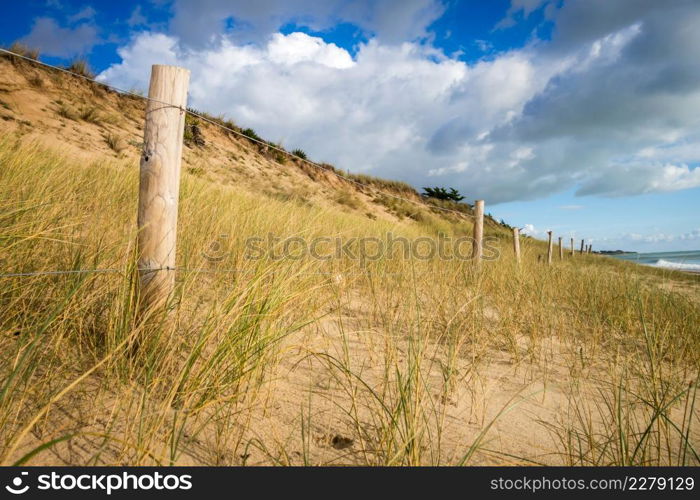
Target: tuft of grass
{"type": "Point", "coordinates": [67, 112]}
{"type": "Point", "coordinates": [349, 199]}
{"type": "Point", "coordinates": [90, 114]}
{"type": "Point", "coordinates": [196, 171]}
{"type": "Point", "coordinates": [81, 67]}
{"type": "Point", "coordinates": [115, 142]}
{"type": "Point", "coordinates": [23, 50]}
{"type": "Point", "coordinates": [35, 80]}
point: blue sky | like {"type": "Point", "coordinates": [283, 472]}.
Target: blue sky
{"type": "Point", "coordinates": [578, 116]}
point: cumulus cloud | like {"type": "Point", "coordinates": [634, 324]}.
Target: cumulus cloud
{"type": "Point", "coordinates": [55, 40]}
{"type": "Point", "coordinates": [608, 106]}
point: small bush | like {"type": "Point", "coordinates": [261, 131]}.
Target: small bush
{"type": "Point", "coordinates": [250, 133]}
{"type": "Point", "coordinates": [300, 154]}
{"type": "Point", "coordinates": [441, 193]}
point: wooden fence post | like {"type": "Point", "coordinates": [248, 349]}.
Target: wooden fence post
{"type": "Point", "coordinates": [159, 183]}
{"type": "Point", "coordinates": [572, 247]}
{"type": "Point", "coordinates": [478, 231]}
{"type": "Point", "coordinates": [561, 249]}
{"type": "Point", "coordinates": [549, 248]}
{"type": "Point", "coordinates": [581, 252]}
{"type": "Point", "coordinates": [516, 244]}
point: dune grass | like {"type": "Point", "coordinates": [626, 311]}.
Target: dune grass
{"type": "Point", "coordinates": [305, 361]}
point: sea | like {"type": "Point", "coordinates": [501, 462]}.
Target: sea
{"type": "Point", "coordinates": [681, 261]}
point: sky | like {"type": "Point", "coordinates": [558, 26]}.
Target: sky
{"type": "Point", "coordinates": [576, 116]}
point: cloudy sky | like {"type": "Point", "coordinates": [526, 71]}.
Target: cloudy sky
{"type": "Point", "coordinates": [580, 116]}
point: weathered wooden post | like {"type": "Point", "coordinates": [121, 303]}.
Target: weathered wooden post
{"type": "Point", "coordinates": [478, 247]}
{"type": "Point", "coordinates": [516, 244]}
{"type": "Point", "coordinates": [561, 249]}
{"type": "Point", "coordinates": [159, 183]}
{"type": "Point", "coordinates": [572, 247]}
{"type": "Point", "coordinates": [581, 251]}
{"type": "Point", "coordinates": [549, 248]}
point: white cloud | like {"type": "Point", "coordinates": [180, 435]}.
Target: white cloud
{"type": "Point", "coordinates": [608, 107]}
{"type": "Point", "coordinates": [298, 47]}
{"type": "Point", "coordinates": [531, 230]}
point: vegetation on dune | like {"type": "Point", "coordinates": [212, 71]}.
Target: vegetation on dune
{"type": "Point", "coordinates": [309, 361]}
{"type": "Point", "coordinates": [299, 153]}
{"type": "Point", "coordinates": [81, 67]}
{"type": "Point", "coordinates": [22, 50]}
{"type": "Point", "coordinates": [302, 360]}
{"type": "Point", "coordinates": [193, 135]}
{"type": "Point", "coordinates": [249, 132]}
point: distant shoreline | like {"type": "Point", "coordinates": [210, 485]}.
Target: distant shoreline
{"type": "Point", "coordinates": [686, 261]}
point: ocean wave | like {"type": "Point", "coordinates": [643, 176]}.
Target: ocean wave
{"type": "Point", "coordinates": [681, 266]}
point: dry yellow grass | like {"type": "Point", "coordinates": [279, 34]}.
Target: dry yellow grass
{"type": "Point", "coordinates": [399, 361]}
{"type": "Point", "coordinates": [392, 361]}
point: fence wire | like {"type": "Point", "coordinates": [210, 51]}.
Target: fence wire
{"type": "Point", "coordinates": [187, 269]}
{"type": "Point", "coordinates": [237, 133]}
{"type": "Point", "coordinates": [240, 134]}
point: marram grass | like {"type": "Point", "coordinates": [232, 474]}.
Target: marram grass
{"type": "Point", "coordinates": [394, 361]}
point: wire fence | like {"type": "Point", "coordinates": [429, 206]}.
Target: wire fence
{"type": "Point", "coordinates": [30, 274]}
{"type": "Point", "coordinates": [238, 133]}
{"type": "Point", "coordinates": [242, 135]}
